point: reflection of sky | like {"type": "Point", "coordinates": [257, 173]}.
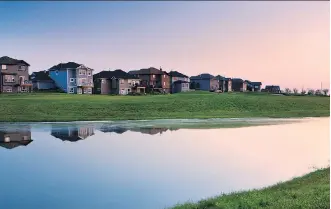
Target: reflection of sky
{"type": "Point", "coordinates": [133, 170]}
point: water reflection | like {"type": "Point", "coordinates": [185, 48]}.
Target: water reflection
{"type": "Point", "coordinates": [130, 169]}
{"type": "Point", "coordinates": [72, 133]}
{"type": "Point", "coordinates": [12, 138]}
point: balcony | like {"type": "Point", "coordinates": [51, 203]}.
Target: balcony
{"type": "Point", "coordinates": [84, 84]}
{"type": "Point", "coordinates": [26, 83]}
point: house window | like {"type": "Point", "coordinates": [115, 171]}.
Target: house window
{"type": "Point", "coordinates": [89, 73]}
{"type": "Point", "coordinates": [71, 90]}
{"type": "Point", "coordinates": [89, 90]}
{"type": "Point", "coordinates": [23, 89]}
{"type": "Point", "coordinates": [82, 72]}
{"type": "Point", "coordinates": [72, 80]}
{"type": "Point", "coordinates": [4, 67]}
{"type": "Point", "coordinates": [9, 78]}
{"type": "Point", "coordinates": [153, 76]}
{"type": "Point", "coordinates": [163, 76]}
{"type": "Point", "coordinates": [103, 81]}
{"type": "Point", "coordinates": [9, 90]}
{"type": "Point", "coordinates": [121, 81]}
{"type": "Point", "coordinates": [163, 83]}
{"type": "Point", "coordinates": [56, 72]}
{"type": "Point", "coordinates": [22, 67]}
{"type": "Point", "coordinates": [7, 139]}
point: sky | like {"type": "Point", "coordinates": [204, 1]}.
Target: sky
{"type": "Point", "coordinates": [277, 43]}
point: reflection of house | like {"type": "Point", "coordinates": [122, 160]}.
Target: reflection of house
{"type": "Point", "coordinates": [12, 139]}
{"type": "Point", "coordinates": [72, 134]}
{"type": "Point", "coordinates": [115, 129]}
{"type": "Point", "coordinates": [151, 131]}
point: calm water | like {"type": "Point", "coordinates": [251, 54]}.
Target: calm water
{"type": "Point", "coordinates": [96, 165]}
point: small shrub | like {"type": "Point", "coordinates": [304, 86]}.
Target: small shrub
{"type": "Point", "coordinates": [311, 92]}
{"type": "Point", "coordinates": [326, 92]}
{"type": "Point", "coordinates": [295, 91]}
{"type": "Point", "coordinates": [288, 91]}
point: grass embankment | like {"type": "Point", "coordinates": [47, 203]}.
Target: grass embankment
{"type": "Point", "coordinates": [309, 192]}
{"type": "Point", "coordinates": [64, 107]}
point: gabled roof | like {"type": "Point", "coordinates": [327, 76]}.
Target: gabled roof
{"type": "Point", "coordinates": [256, 83]}
{"type": "Point", "coordinates": [5, 60]}
{"type": "Point", "coordinates": [148, 71]}
{"type": "Point", "coordinates": [237, 80]}
{"type": "Point", "coordinates": [14, 144]}
{"type": "Point", "coordinates": [177, 74]}
{"type": "Point", "coordinates": [203, 76]}
{"type": "Point", "coordinates": [68, 65]}
{"type": "Point", "coordinates": [114, 74]}
{"type": "Point", "coordinates": [180, 81]}
{"type": "Point", "coordinates": [40, 76]}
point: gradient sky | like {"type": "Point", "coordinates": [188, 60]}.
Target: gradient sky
{"type": "Point", "coordinates": [284, 43]}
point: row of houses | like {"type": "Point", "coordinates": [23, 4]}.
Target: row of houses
{"type": "Point", "coordinates": [77, 78]}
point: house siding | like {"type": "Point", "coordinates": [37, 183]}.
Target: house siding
{"type": "Point", "coordinates": [204, 84]}
{"type": "Point", "coordinates": [14, 71]}
{"type": "Point", "coordinates": [60, 79]}
{"type": "Point", "coordinates": [43, 85]}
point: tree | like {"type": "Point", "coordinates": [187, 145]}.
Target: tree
{"type": "Point", "coordinates": [303, 92]}
{"type": "Point", "coordinates": [311, 92]}
{"type": "Point", "coordinates": [295, 91]}
{"type": "Point", "coordinates": [287, 90]}
{"type": "Point", "coordinates": [325, 91]}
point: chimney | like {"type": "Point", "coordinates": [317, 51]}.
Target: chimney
{"type": "Point", "coordinates": [160, 68]}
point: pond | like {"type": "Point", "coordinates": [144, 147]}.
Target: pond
{"type": "Point", "coordinates": [152, 165]}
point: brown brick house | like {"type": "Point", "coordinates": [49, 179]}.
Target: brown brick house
{"type": "Point", "coordinates": [14, 75]}
{"type": "Point", "coordinates": [154, 79]}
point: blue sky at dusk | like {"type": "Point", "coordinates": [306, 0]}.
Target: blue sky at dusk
{"type": "Point", "coordinates": [285, 43]}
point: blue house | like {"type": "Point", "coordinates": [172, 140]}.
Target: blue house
{"type": "Point", "coordinates": [205, 82]}
{"type": "Point", "coordinates": [72, 78]}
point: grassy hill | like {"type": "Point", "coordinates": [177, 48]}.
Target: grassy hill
{"type": "Point", "coordinates": [66, 107]}
{"type": "Point", "coordinates": [309, 191]}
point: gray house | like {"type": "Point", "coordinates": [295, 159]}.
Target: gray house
{"type": "Point", "coordinates": [14, 75]}
{"type": "Point", "coordinates": [41, 81]}
{"type": "Point", "coordinates": [179, 82]}
{"type": "Point", "coordinates": [205, 82]}
{"type": "Point", "coordinates": [15, 138]}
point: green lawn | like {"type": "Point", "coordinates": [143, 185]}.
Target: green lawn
{"type": "Point", "coordinates": [311, 191]}
{"type": "Point", "coordinates": [65, 107]}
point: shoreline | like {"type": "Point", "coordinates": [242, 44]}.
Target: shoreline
{"type": "Point", "coordinates": [311, 190]}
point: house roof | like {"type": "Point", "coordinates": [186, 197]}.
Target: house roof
{"type": "Point", "coordinates": [237, 80]}
{"type": "Point", "coordinates": [202, 76]}
{"type": "Point", "coordinates": [68, 65]}
{"type": "Point", "coordinates": [13, 144]}
{"type": "Point", "coordinates": [177, 74]}
{"type": "Point", "coordinates": [116, 74]}
{"type": "Point", "coordinates": [5, 60]}
{"type": "Point", "coordinates": [148, 71]}
{"type": "Point", "coordinates": [40, 76]}
{"type": "Point", "coordinates": [256, 83]}
{"type": "Point", "coordinates": [180, 81]}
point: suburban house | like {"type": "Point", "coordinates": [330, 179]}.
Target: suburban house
{"type": "Point", "coordinates": [205, 82]}
{"type": "Point", "coordinates": [239, 84]}
{"type": "Point", "coordinates": [116, 82]}
{"type": "Point", "coordinates": [72, 78]}
{"type": "Point", "coordinates": [14, 75]}
{"type": "Point", "coordinates": [179, 82]}
{"type": "Point", "coordinates": [225, 84]}
{"type": "Point", "coordinates": [14, 138]}
{"type": "Point", "coordinates": [41, 80]}
{"type": "Point", "coordinates": [73, 134]}
{"type": "Point", "coordinates": [256, 86]}
{"type": "Point", "coordinates": [153, 79]}
{"type": "Point", "coordinates": [272, 89]}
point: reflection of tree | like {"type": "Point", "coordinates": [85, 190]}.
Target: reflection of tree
{"type": "Point", "coordinates": [13, 138]}
{"type": "Point", "coordinates": [72, 133]}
